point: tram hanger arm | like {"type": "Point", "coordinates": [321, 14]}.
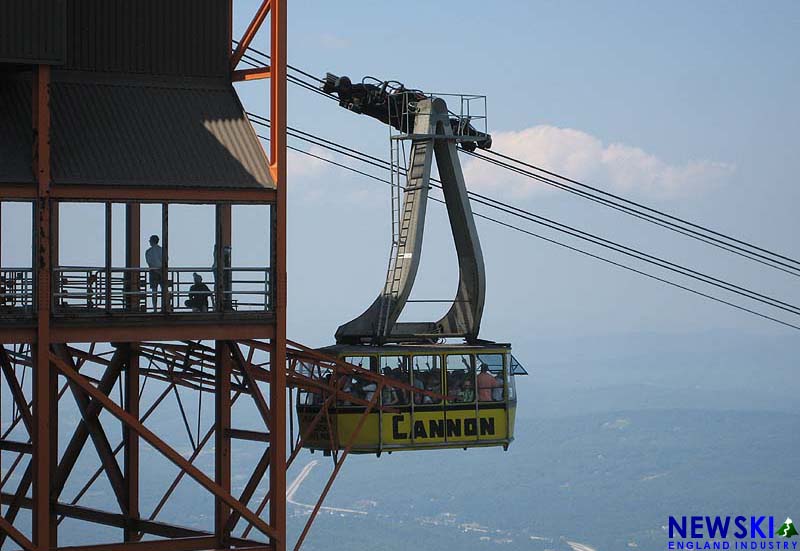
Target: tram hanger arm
{"type": "Point", "coordinates": [380, 323]}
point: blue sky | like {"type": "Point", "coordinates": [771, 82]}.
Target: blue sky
{"type": "Point", "coordinates": [703, 94]}
{"type": "Point", "coordinates": [689, 107]}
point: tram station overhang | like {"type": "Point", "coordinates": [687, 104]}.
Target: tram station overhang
{"type": "Point", "coordinates": [141, 101]}
{"type": "Point", "coordinates": [135, 132]}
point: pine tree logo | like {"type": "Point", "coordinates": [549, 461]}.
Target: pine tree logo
{"type": "Point", "coordinates": [787, 529]}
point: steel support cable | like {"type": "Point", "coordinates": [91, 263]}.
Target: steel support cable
{"type": "Point", "coordinates": [644, 257]}
{"type": "Point", "coordinates": [788, 269]}
{"type": "Point", "coordinates": [666, 224]}
{"type": "Point", "coordinates": [640, 272]}
{"type": "Point", "coordinates": [267, 57]}
{"type": "Point", "coordinates": [256, 64]}
{"type": "Point", "coordinates": [592, 238]}
{"type": "Point", "coordinates": [327, 144]}
{"type": "Point", "coordinates": [645, 207]}
{"type": "Point", "coordinates": [567, 246]}
{"type": "Point", "coordinates": [563, 231]}
{"type": "Point", "coordinates": [669, 222]}
{"type": "Point", "coordinates": [589, 237]}
{"type": "Point", "coordinates": [381, 163]}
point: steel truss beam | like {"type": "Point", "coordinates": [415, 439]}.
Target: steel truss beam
{"type": "Point", "coordinates": [16, 535]}
{"type": "Point", "coordinates": [90, 426]}
{"type": "Point", "coordinates": [200, 368]}
{"type": "Point", "coordinates": [161, 446]}
{"type": "Point", "coordinates": [122, 194]}
{"type": "Point", "coordinates": [248, 372]}
{"type": "Point", "coordinates": [223, 369]}
{"type": "Point", "coordinates": [255, 73]}
{"type": "Point", "coordinates": [250, 33]}
{"type": "Point", "coordinates": [173, 328]}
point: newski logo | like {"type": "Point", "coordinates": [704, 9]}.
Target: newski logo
{"type": "Point", "coordinates": [718, 527]}
{"type": "Point", "coordinates": [753, 533]}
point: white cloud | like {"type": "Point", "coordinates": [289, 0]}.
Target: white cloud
{"type": "Point", "coordinates": [300, 167]}
{"type": "Point", "coordinates": [581, 156]}
{"type": "Point", "coordinates": [312, 178]}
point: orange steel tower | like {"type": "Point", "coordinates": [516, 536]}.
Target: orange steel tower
{"type": "Point", "coordinates": [132, 103]}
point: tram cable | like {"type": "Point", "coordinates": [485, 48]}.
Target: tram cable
{"type": "Point", "coordinates": [744, 293]}
{"type": "Point", "coordinates": [638, 210]}
{"type": "Point", "coordinates": [646, 208]}
{"type": "Point", "coordinates": [688, 232]}
{"type": "Point", "coordinates": [552, 224]}
{"type": "Point", "coordinates": [526, 215]}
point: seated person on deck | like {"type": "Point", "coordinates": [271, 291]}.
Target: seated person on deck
{"type": "Point", "coordinates": [199, 293]}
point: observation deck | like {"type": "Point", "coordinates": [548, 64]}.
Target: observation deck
{"type": "Point", "coordinates": [112, 302]}
{"type": "Point", "coordinates": [145, 137]}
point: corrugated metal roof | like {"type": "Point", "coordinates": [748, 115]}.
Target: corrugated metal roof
{"type": "Point", "coordinates": [168, 37]}
{"type": "Point", "coordinates": [16, 132]}
{"type": "Point", "coordinates": [134, 133]}
{"type": "Point", "coordinates": [144, 97]}
{"type": "Point", "coordinates": [32, 31]}
{"type": "Point", "coordinates": [153, 133]}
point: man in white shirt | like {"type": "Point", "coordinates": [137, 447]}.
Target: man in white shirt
{"type": "Point", "coordinates": [155, 259]}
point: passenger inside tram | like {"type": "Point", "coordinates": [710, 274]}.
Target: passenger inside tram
{"type": "Point", "coordinates": [349, 387]}
{"type": "Point", "coordinates": [427, 376]}
{"type": "Point", "coordinates": [488, 384]}
{"type": "Point", "coordinates": [368, 390]}
{"type": "Point", "coordinates": [423, 372]}
{"type": "Point", "coordinates": [434, 385]}
{"type": "Point", "coordinates": [395, 367]}
{"type": "Point", "coordinates": [460, 378]}
{"type": "Point", "coordinates": [389, 395]}
{"type": "Point", "coordinates": [497, 391]}
{"type": "Point", "coordinates": [418, 383]}
{"type": "Point", "coordinates": [467, 393]}
{"type": "Point", "coordinates": [316, 395]}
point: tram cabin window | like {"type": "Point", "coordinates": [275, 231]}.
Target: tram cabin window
{"type": "Point", "coordinates": [358, 387]}
{"type": "Point", "coordinates": [350, 385]}
{"type": "Point", "coordinates": [395, 367]}
{"type": "Point", "coordinates": [427, 375]}
{"type": "Point", "coordinates": [490, 377]}
{"type": "Point", "coordinates": [359, 361]}
{"type": "Point", "coordinates": [460, 378]}
{"type": "Point", "coordinates": [511, 384]}
{"type": "Point", "coordinates": [318, 396]}
{"type": "Point", "coordinates": [312, 371]}
{"type": "Point", "coordinates": [312, 397]}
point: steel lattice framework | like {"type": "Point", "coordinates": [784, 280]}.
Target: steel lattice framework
{"type": "Point", "coordinates": [229, 371]}
{"type": "Point", "coordinates": [117, 368]}
{"type": "Point", "coordinates": [47, 360]}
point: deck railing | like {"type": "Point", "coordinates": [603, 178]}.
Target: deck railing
{"type": "Point", "coordinates": [16, 291]}
{"type": "Point", "coordinates": [89, 290]}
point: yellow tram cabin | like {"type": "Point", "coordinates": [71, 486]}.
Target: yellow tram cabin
{"type": "Point", "coordinates": [476, 409]}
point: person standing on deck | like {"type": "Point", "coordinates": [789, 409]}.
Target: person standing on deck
{"type": "Point", "coordinates": [155, 261]}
